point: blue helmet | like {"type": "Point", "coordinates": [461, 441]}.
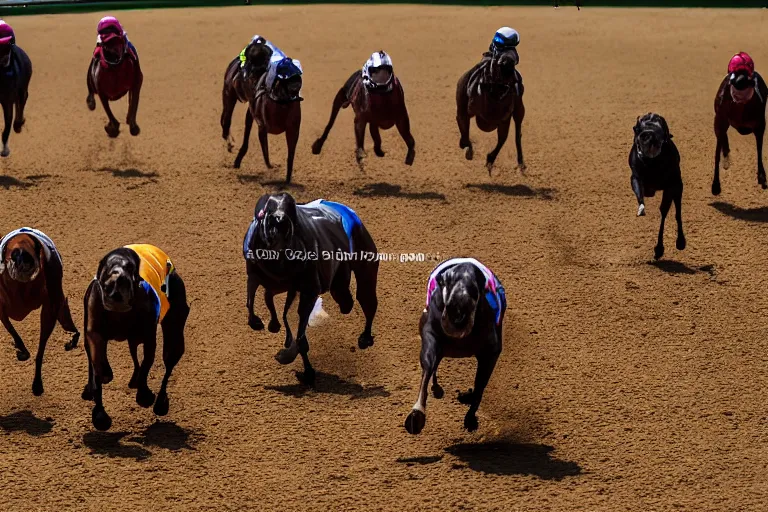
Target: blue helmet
{"type": "Point", "coordinates": [505, 39]}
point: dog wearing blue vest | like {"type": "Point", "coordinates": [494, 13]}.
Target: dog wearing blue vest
{"type": "Point", "coordinates": [463, 318]}
{"type": "Point", "coordinates": [308, 250]}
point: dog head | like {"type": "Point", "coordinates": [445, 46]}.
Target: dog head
{"type": "Point", "coordinates": [651, 133]}
{"type": "Point", "coordinates": [257, 55]}
{"type": "Point", "coordinates": [118, 277]}
{"type": "Point", "coordinates": [22, 257]}
{"type": "Point", "coordinates": [742, 86]}
{"type": "Point", "coordinates": [278, 221]}
{"type": "Point", "coordinates": [460, 288]}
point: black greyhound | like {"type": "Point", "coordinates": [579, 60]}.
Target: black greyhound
{"type": "Point", "coordinates": [309, 249]}
{"type": "Point", "coordinates": [655, 164]}
{"type": "Point", "coordinates": [15, 74]}
{"type": "Point", "coordinates": [463, 318]}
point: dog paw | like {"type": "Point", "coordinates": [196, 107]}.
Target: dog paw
{"type": "Point", "coordinates": [467, 397]}
{"type": "Point", "coordinates": [22, 355]}
{"type": "Point", "coordinates": [658, 252]}
{"type": "Point", "coordinates": [641, 210]}
{"type": "Point", "coordinates": [100, 418]}
{"type": "Point", "coordinates": [255, 323]}
{"type": "Point", "coordinates": [145, 397]}
{"type": "Point", "coordinates": [37, 387]}
{"type": "Point", "coordinates": [470, 422]}
{"type": "Point", "coordinates": [161, 405]}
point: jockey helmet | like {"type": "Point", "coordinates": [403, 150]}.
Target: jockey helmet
{"type": "Point", "coordinates": [6, 34]}
{"type": "Point", "coordinates": [378, 60]}
{"type": "Point", "coordinates": [505, 39]}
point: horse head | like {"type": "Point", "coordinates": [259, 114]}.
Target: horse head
{"type": "Point", "coordinates": [278, 220]}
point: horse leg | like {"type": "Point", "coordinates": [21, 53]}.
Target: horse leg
{"type": "Point", "coordinates": [133, 346]}
{"type": "Point", "coordinates": [264, 142]}
{"type": "Point", "coordinates": [518, 115]}
{"type": "Point", "coordinates": [173, 338]}
{"type": "Point", "coordinates": [306, 304]}
{"type": "Point", "coordinates": [113, 127]}
{"type": "Point", "coordinates": [274, 323]}
{"type": "Point", "coordinates": [292, 139]}
{"type": "Point", "coordinates": [760, 168]}
{"type": "Point", "coordinates": [8, 118]}
{"type": "Point", "coordinates": [290, 350]}
{"type": "Point", "coordinates": [637, 188]}
{"type": "Point", "coordinates": [721, 135]}
{"type": "Point", "coordinates": [246, 136]}
{"type": "Point", "coordinates": [666, 202]}
{"type": "Point", "coordinates": [678, 198]}
{"type": "Point", "coordinates": [373, 128]}
{"type": "Point", "coordinates": [360, 141]}
{"type": "Point", "coordinates": [144, 396]}
{"type": "Point", "coordinates": [485, 365]}
{"type": "Point", "coordinates": [437, 390]}
{"type": "Point", "coordinates": [97, 351]}
{"type": "Point", "coordinates": [338, 101]}
{"type": "Point", "coordinates": [503, 132]}
{"type": "Point", "coordinates": [404, 128]}
{"type": "Point", "coordinates": [89, 100]}
{"type": "Point", "coordinates": [22, 354]}
{"type": "Point", "coordinates": [48, 315]}
{"type": "Point", "coordinates": [430, 359]}
{"type": "Point", "coordinates": [254, 322]}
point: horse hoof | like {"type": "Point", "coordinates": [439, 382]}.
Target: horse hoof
{"type": "Point", "coordinates": [100, 418]}
{"type": "Point", "coordinates": [255, 323]}
{"type": "Point", "coordinates": [658, 252]}
{"type": "Point", "coordinates": [112, 130]}
{"type": "Point", "coordinates": [467, 397]}
{"type": "Point", "coordinates": [437, 391]}
{"type": "Point", "coordinates": [145, 397]}
{"type": "Point", "coordinates": [22, 355]}
{"type": "Point", "coordinates": [87, 393]}
{"type": "Point", "coordinates": [726, 163]}
{"type": "Point", "coordinates": [379, 152]}
{"type": "Point", "coordinates": [307, 377]}
{"type": "Point", "coordinates": [365, 341]}
{"type": "Point", "coordinates": [680, 243]}
{"type": "Point", "coordinates": [317, 147]}
{"type": "Point", "coordinates": [286, 355]}
{"type": "Point", "coordinates": [716, 188]}
{"type": "Point", "coordinates": [469, 154]}
{"type": "Point", "coordinates": [161, 405]}
{"type": "Point", "coordinates": [37, 387]}
{"type": "Point", "coordinates": [135, 130]}
{"type": "Point", "coordinates": [91, 102]}
{"type": "Point", "coordinates": [470, 422]}
{"type": "Point", "coordinates": [415, 422]}
{"type": "Point", "coordinates": [73, 342]}
{"type": "Point", "coordinates": [274, 326]}
{"type": "Point", "coordinates": [18, 125]}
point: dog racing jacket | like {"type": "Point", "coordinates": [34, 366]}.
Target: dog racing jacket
{"type": "Point", "coordinates": [155, 269]}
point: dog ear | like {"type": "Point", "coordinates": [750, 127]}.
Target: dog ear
{"type": "Point", "coordinates": [102, 264]}
{"type": "Point", "coordinates": [665, 127]}
{"type": "Point", "coordinates": [636, 128]}
{"type": "Point", "coordinates": [137, 279]}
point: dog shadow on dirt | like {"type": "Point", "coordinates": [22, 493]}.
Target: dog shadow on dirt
{"type": "Point", "coordinates": [759, 214]}
{"type": "Point", "coordinates": [678, 267]}
{"type": "Point", "coordinates": [506, 458]}
{"type": "Point", "coordinates": [387, 190]}
{"type": "Point", "coordinates": [330, 384]}
{"type": "Point", "coordinates": [262, 180]}
{"type": "Point", "coordinates": [161, 434]}
{"type": "Point", "coordinates": [525, 191]}
{"type": "Point", "coordinates": [8, 182]}
{"type": "Point", "coordinates": [27, 422]}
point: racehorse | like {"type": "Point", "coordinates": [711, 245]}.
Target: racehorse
{"type": "Point", "coordinates": [241, 86]}
{"type": "Point", "coordinates": [15, 74]}
{"type": "Point", "coordinates": [308, 250]}
{"type": "Point", "coordinates": [136, 288]}
{"type": "Point", "coordinates": [276, 107]}
{"type": "Point", "coordinates": [114, 71]}
{"type": "Point", "coordinates": [740, 102]}
{"type": "Point", "coordinates": [378, 100]}
{"type": "Point", "coordinates": [492, 93]}
{"type": "Point", "coordinates": [31, 278]}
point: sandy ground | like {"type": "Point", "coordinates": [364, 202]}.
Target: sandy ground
{"type": "Point", "coordinates": [623, 385]}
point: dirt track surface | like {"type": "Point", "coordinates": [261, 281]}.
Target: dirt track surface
{"type": "Point", "coordinates": [623, 385]}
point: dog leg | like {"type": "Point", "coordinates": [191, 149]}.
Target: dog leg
{"type": "Point", "coordinates": [8, 117]}
{"type": "Point", "coordinates": [430, 359]}
{"type": "Point", "coordinates": [462, 119]}
{"type": "Point", "coordinates": [306, 303]}
{"type": "Point", "coordinates": [338, 101]}
{"type": "Point", "coordinates": [367, 278]}
{"type": "Point", "coordinates": [173, 340]}
{"type": "Point", "coordinates": [144, 396]}
{"type": "Point", "coordinates": [760, 167]}
{"type": "Point", "coordinates": [229, 102]}
{"type": "Point", "coordinates": [264, 142]}
{"type": "Point", "coordinates": [502, 132]}
{"type": "Point", "coordinates": [21, 103]}
{"type": "Point", "coordinates": [292, 139]}
{"type": "Point", "coordinates": [373, 128]}
{"type": "Point", "coordinates": [48, 316]}
{"type": "Point", "coordinates": [113, 127]}
{"type": "Point", "coordinates": [437, 390]}
{"type": "Point", "coordinates": [666, 202]}
{"type": "Point", "coordinates": [254, 322]}
{"type": "Point", "coordinates": [637, 188]}
{"type": "Point", "coordinates": [485, 366]}
{"type": "Point", "coordinates": [290, 350]}
{"type": "Point", "coordinates": [66, 322]}
{"type": "Point", "coordinates": [404, 128]}
{"type": "Point", "coordinates": [274, 324]}
{"type": "Point", "coordinates": [721, 129]}
{"type": "Point", "coordinates": [680, 243]}
{"type": "Point", "coordinates": [97, 348]}
{"type": "Point", "coordinates": [90, 100]}
{"type": "Point", "coordinates": [133, 108]}
{"type": "Point", "coordinates": [246, 136]}
{"type": "Point", "coordinates": [133, 346]}
{"type": "Point", "coordinates": [22, 354]}
{"type": "Point", "coordinates": [518, 115]}
{"type": "Point", "coordinates": [360, 141]}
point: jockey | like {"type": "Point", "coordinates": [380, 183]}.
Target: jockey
{"type": "Point", "coordinates": [743, 78]}
{"type": "Point", "coordinates": [505, 40]}
{"type": "Point", "coordinates": [109, 28]}
{"type": "Point", "coordinates": [378, 60]}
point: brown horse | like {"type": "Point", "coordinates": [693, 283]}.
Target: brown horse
{"type": "Point", "coordinates": [240, 81]}
{"type": "Point", "coordinates": [740, 102]}
{"type": "Point", "coordinates": [15, 74]}
{"type": "Point", "coordinates": [378, 100]}
{"type": "Point", "coordinates": [276, 107]}
{"type": "Point", "coordinates": [30, 278]}
{"type": "Point", "coordinates": [492, 93]}
{"type": "Point", "coordinates": [114, 71]}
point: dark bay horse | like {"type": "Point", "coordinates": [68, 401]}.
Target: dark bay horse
{"type": "Point", "coordinates": [240, 84]}
{"type": "Point", "coordinates": [740, 102]}
{"type": "Point", "coordinates": [308, 250]}
{"type": "Point", "coordinates": [378, 100]}
{"type": "Point", "coordinates": [15, 74]}
{"type": "Point", "coordinates": [31, 275]}
{"type": "Point", "coordinates": [114, 71]}
{"type": "Point", "coordinates": [276, 107]}
{"type": "Point", "coordinates": [492, 93]}
{"type": "Point", "coordinates": [136, 288]}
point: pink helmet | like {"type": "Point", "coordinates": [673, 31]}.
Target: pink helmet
{"type": "Point", "coordinates": [6, 33]}
{"type": "Point", "coordinates": [109, 28]}
{"type": "Point", "coordinates": [741, 62]}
